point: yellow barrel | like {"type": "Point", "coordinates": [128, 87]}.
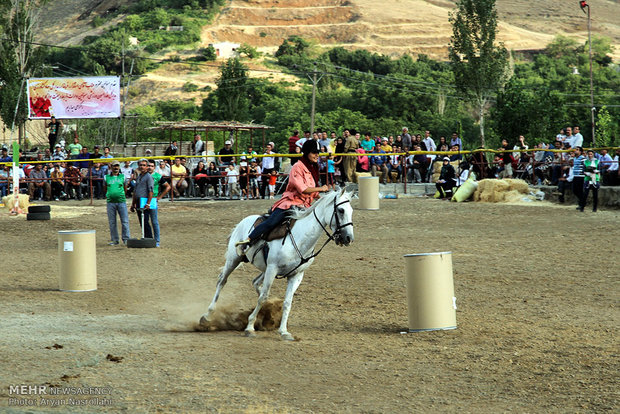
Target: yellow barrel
{"type": "Point", "coordinates": [430, 291]}
{"type": "Point", "coordinates": [368, 192]}
{"type": "Point", "coordinates": [78, 261]}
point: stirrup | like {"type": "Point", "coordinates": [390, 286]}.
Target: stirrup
{"type": "Point", "coordinates": [241, 246]}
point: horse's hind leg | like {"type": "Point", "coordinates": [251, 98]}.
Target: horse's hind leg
{"type": "Point", "coordinates": [268, 276]}
{"type": "Point", "coordinates": [221, 281]}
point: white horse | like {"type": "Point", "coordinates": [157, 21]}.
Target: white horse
{"type": "Point", "coordinates": [290, 256]}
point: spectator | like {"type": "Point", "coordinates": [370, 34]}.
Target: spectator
{"type": "Point", "coordinates": [480, 165]}
{"type": "Point", "coordinates": [4, 180]}
{"type": "Point", "coordinates": [160, 189]}
{"type": "Point", "coordinates": [455, 140]}
{"type": "Point", "coordinates": [74, 149]}
{"type": "Point", "coordinates": [367, 143]}
{"type": "Point", "coordinates": [419, 165]}
{"type": "Point", "coordinates": [363, 163]}
{"type": "Point", "coordinates": [198, 146]}
{"type": "Point", "coordinates": [429, 142]}
{"type": "Point", "coordinates": [143, 197]}
{"type": "Point", "coordinates": [130, 179]}
{"type": "Point", "coordinates": [324, 141]}
{"type": "Point", "coordinates": [267, 166]}
{"type": "Point", "coordinates": [243, 179]}
{"type": "Point", "coordinates": [57, 174]}
{"type": "Point", "coordinates": [106, 155]}
{"type": "Point", "coordinates": [378, 163]}
{"type": "Point", "coordinates": [507, 160]}
{"type": "Point", "coordinates": [292, 141]}
{"type": "Point", "coordinates": [561, 136]}
{"type": "Point", "coordinates": [592, 181]}
{"type": "Point", "coordinates": [96, 153]}
{"type": "Point", "coordinates": [226, 159]}
{"type": "Point", "coordinates": [613, 172]}
{"type": "Point", "coordinates": [4, 156]}
{"type": "Point", "coordinates": [446, 180]}
{"type": "Point", "coordinates": [55, 127]}
{"type": "Point", "coordinates": [385, 146]}
{"type": "Point", "coordinates": [395, 164]}
{"type": "Point", "coordinates": [565, 179]}
{"type": "Point", "coordinates": [116, 203]}
{"type": "Point", "coordinates": [179, 173]}
{"type": "Point", "coordinates": [458, 156]}
{"type": "Point", "coordinates": [97, 175]}
{"type": "Point", "coordinates": [273, 178]}
{"type": "Point", "coordinates": [214, 178]}
{"type": "Point", "coordinates": [58, 154]}
{"type": "Point", "coordinates": [331, 169]}
{"type": "Point", "coordinates": [47, 155]}
{"type": "Point", "coordinates": [406, 140]}
{"type": "Point", "coordinates": [253, 174]}
{"type": "Point", "coordinates": [200, 178]}
{"type": "Point", "coordinates": [606, 163]}
{"type": "Point", "coordinates": [163, 169]}
{"type": "Point", "coordinates": [339, 159]}
{"type": "Point", "coordinates": [301, 141]}
{"type": "Point", "coordinates": [569, 138]}
{"type": "Point", "coordinates": [84, 155]}
{"type": "Point", "coordinates": [73, 182]}
{"type": "Point", "coordinates": [464, 175]}
{"type": "Point", "coordinates": [232, 176]}
{"type": "Point", "coordinates": [171, 149]}
{"type": "Point", "coordinates": [351, 144]}
{"type": "Point", "coordinates": [578, 174]}
{"type": "Point", "coordinates": [577, 138]}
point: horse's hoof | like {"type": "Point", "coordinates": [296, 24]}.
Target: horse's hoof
{"type": "Point", "coordinates": [287, 337]}
{"type": "Point", "coordinates": [250, 334]}
{"type": "Point", "coordinates": [204, 321]}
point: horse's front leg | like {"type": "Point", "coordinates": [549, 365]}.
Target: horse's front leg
{"type": "Point", "coordinates": [268, 277]}
{"type": "Point", "coordinates": [293, 283]}
{"type": "Point", "coordinates": [221, 282]}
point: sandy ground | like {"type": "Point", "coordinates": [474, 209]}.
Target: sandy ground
{"type": "Point", "coordinates": [536, 286]}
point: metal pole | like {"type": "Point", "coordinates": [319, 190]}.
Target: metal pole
{"type": "Point", "coordinates": [313, 101]}
{"type": "Point", "coordinates": [592, 108]}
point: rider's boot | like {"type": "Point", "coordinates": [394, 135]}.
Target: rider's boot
{"type": "Point", "coordinates": [242, 246]}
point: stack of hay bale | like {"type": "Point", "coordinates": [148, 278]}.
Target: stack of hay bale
{"type": "Point", "coordinates": [497, 191]}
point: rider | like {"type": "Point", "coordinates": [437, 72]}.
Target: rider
{"type": "Point", "coordinates": [300, 191]}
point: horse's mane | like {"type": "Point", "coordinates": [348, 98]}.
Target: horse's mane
{"type": "Point", "coordinates": [299, 213]}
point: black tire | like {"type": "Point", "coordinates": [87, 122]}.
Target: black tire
{"type": "Point", "coordinates": [38, 216]}
{"type": "Point", "coordinates": [141, 243]}
{"type": "Point", "coordinates": [39, 209]}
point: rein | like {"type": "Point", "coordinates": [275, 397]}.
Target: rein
{"type": "Point", "coordinates": [330, 237]}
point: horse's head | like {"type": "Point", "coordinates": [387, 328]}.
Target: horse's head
{"type": "Point", "coordinates": [342, 219]}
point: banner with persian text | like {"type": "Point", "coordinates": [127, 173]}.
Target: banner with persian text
{"type": "Point", "coordinates": [70, 98]}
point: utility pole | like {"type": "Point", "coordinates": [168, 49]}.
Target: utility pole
{"type": "Point", "coordinates": [314, 81]}
{"type": "Point", "coordinates": [583, 4]}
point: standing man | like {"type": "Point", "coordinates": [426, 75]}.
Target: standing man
{"type": "Point", "coordinates": [172, 149]}
{"type": "Point", "coordinates": [429, 142]}
{"type": "Point", "coordinates": [455, 140]}
{"type": "Point", "coordinates": [226, 152]}
{"type": "Point", "coordinates": [158, 182]}
{"type": "Point", "coordinates": [74, 149]}
{"type": "Point", "coordinates": [115, 189]}
{"type": "Point", "coordinates": [406, 138]}
{"type": "Point", "coordinates": [578, 175]}
{"type": "Point", "coordinates": [55, 129]}
{"type": "Point", "coordinates": [267, 166]}
{"type": "Point", "coordinates": [143, 196]}
{"type": "Point", "coordinates": [351, 145]}
{"type": "Point", "coordinates": [577, 139]}
{"type": "Point", "coordinates": [198, 146]}
{"type": "Point", "coordinates": [292, 141]}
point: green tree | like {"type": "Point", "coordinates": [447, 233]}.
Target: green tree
{"type": "Point", "coordinates": [479, 65]}
{"type": "Point", "coordinates": [231, 91]}
{"type": "Point", "coordinates": [606, 128]}
{"type": "Point", "coordinates": [18, 21]}
{"type": "Point", "coordinates": [248, 50]}
{"type": "Point", "coordinates": [209, 53]}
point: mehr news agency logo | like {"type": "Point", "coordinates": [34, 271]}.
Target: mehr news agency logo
{"type": "Point", "coordinates": [54, 396]}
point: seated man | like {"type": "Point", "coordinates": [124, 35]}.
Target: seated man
{"type": "Point", "coordinates": [419, 165]}
{"type": "Point", "coordinates": [447, 179]}
{"type": "Point", "coordinates": [97, 174]}
{"type": "Point", "coordinates": [58, 188]}
{"type": "Point", "coordinates": [39, 184]}
{"type": "Point", "coordinates": [394, 164]}
{"type": "Point", "coordinates": [178, 172]}
{"type": "Point", "coordinates": [73, 181]}
{"type": "Point", "coordinates": [379, 163]}
{"type": "Point", "coordinates": [4, 180]}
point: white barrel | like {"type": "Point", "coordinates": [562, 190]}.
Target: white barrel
{"type": "Point", "coordinates": [78, 260]}
{"type": "Point", "coordinates": [368, 192]}
{"type": "Point", "coordinates": [430, 291]}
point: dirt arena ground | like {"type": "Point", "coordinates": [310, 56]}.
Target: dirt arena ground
{"type": "Point", "coordinates": [537, 292]}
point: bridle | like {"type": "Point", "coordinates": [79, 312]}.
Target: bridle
{"type": "Point", "coordinates": [336, 235]}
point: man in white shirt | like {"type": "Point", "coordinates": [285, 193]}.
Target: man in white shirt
{"type": "Point", "coordinates": [569, 136]}
{"type": "Point", "coordinates": [577, 140]}
{"type": "Point", "coordinates": [429, 142]}
{"type": "Point", "coordinates": [267, 166]}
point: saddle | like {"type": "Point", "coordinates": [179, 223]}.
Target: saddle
{"type": "Point", "coordinates": [277, 233]}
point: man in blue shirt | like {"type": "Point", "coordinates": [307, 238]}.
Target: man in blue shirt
{"type": "Point", "coordinates": [379, 163]}
{"type": "Point", "coordinates": [5, 155]}
{"type": "Point", "coordinates": [578, 175]}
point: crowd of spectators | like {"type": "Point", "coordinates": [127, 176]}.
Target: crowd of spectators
{"type": "Point", "coordinates": [66, 174]}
